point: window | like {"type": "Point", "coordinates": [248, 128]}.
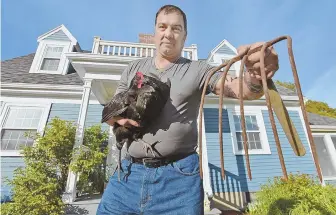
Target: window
{"type": "Point", "coordinates": [326, 151]}
{"type": "Point", "coordinates": [51, 58]}
{"type": "Point", "coordinates": [18, 120]}
{"type": "Point", "coordinates": [252, 131]}
{"type": "Point", "coordinates": [256, 134]}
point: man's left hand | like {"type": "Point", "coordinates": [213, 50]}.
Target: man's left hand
{"type": "Point", "coordinates": [252, 63]}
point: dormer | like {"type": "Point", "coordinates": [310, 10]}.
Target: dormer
{"type": "Point", "coordinates": [49, 57]}
{"type": "Point", "coordinates": [224, 51]}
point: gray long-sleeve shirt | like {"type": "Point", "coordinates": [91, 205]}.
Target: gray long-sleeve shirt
{"type": "Point", "coordinates": [176, 127]}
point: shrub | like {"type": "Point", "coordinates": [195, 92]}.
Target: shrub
{"type": "Point", "coordinates": [301, 194]}
{"type": "Point", "coordinates": [35, 192]}
{"type": "Point", "coordinates": [38, 188]}
{"type": "Point", "coordinates": [89, 161]}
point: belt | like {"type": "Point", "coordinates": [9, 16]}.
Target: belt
{"type": "Point", "coordinates": [160, 161]}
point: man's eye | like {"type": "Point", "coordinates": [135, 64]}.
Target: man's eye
{"type": "Point", "coordinates": [177, 29]}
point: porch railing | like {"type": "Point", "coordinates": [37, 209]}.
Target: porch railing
{"type": "Point", "coordinates": [129, 49]}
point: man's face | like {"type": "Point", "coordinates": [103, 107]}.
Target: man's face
{"type": "Point", "coordinates": [170, 34]}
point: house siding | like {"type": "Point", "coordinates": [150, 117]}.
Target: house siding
{"type": "Point", "coordinates": [225, 50]}
{"type": "Point", "coordinates": [59, 35]}
{"type": "Point", "coordinates": [263, 167]}
{"type": "Point", "coordinates": [8, 165]}
{"type": "Point", "coordinates": [71, 112]}
{"type": "Point", "coordinates": [64, 112]}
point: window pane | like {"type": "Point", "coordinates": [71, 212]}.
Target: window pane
{"type": "Point", "coordinates": [250, 122]}
{"type": "Point", "coordinates": [30, 113]}
{"type": "Point", "coordinates": [23, 118]}
{"type": "Point", "coordinates": [37, 113]}
{"type": "Point", "coordinates": [18, 123]}
{"type": "Point", "coordinates": [253, 140]}
{"type": "Point", "coordinates": [254, 123]}
{"type": "Point", "coordinates": [14, 139]}
{"type": "Point", "coordinates": [325, 158]}
{"type": "Point", "coordinates": [240, 146]}
{"type": "Point", "coordinates": [11, 117]}
{"type": "Point", "coordinates": [11, 144]}
{"type": "Point", "coordinates": [50, 64]}
{"type": "Point", "coordinates": [53, 52]}
{"type": "Point", "coordinates": [252, 130]}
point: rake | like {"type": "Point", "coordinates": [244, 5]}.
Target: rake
{"type": "Point", "coordinates": [273, 101]}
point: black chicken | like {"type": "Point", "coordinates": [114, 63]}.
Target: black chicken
{"type": "Point", "coordinates": [142, 102]}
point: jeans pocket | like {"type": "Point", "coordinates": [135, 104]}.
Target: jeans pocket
{"type": "Point", "coordinates": [188, 166]}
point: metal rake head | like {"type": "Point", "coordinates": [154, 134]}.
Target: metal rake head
{"type": "Point", "coordinates": [273, 102]}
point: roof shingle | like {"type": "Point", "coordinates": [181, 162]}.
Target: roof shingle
{"type": "Point", "coordinates": [315, 119]}
{"type": "Point", "coordinates": [16, 70]}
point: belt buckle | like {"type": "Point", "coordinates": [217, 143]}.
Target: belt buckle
{"type": "Point", "coordinates": [150, 163]}
{"type": "Point", "coordinates": [144, 161]}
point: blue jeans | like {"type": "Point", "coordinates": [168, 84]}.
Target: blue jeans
{"type": "Point", "coordinates": [172, 189]}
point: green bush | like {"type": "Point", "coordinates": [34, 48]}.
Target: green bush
{"type": "Point", "coordinates": [34, 192]}
{"type": "Point", "coordinates": [89, 161]}
{"type": "Point", "coordinates": [37, 188]}
{"type": "Point", "coordinates": [300, 195]}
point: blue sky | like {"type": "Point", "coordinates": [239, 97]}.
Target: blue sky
{"type": "Point", "coordinates": [311, 24]}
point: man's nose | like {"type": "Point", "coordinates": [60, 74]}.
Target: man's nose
{"type": "Point", "coordinates": [168, 33]}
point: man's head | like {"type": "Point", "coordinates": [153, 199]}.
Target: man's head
{"type": "Point", "coordinates": [170, 31]}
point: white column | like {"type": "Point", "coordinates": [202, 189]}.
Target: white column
{"type": "Point", "coordinates": [70, 190]}
{"type": "Point", "coordinates": [194, 53]}
{"type": "Point", "coordinates": [206, 176]}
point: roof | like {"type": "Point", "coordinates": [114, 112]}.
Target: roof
{"type": "Point", "coordinates": [285, 91]}
{"type": "Point", "coordinates": [59, 29]}
{"type": "Point", "coordinates": [16, 70]}
{"type": "Point", "coordinates": [316, 119]}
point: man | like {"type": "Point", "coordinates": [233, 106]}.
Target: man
{"type": "Point", "coordinates": [170, 182]}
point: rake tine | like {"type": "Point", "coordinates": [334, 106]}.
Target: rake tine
{"type": "Point", "coordinates": [303, 109]}
{"type": "Point", "coordinates": [220, 123]}
{"type": "Point", "coordinates": [269, 107]}
{"type": "Point", "coordinates": [242, 116]}
{"type": "Point", "coordinates": [200, 115]}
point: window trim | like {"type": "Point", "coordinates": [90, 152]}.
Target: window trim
{"type": "Point", "coordinates": [263, 135]}
{"type": "Point", "coordinates": [40, 53]}
{"type": "Point", "coordinates": [40, 129]}
{"type": "Point", "coordinates": [61, 59]}
{"type": "Point", "coordinates": [328, 141]}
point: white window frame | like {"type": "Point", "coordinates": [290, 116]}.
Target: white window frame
{"type": "Point", "coordinates": [61, 62]}
{"type": "Point", "coordinates": [40, 53]}
{"type": "Point", "coordinates": [266, 150]}
{"type": "Point", "coordinates": [330, 146]}
{"type": "Point", "coordinates": [43, 121]}
{"type": "Point", "coordinates": [44, 57]}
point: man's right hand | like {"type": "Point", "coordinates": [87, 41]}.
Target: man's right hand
{"type": "Point", "coordinates": [123, 122]}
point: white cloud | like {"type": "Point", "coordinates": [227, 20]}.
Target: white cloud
{"type": "Point", "coordinates": [324, 88]}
